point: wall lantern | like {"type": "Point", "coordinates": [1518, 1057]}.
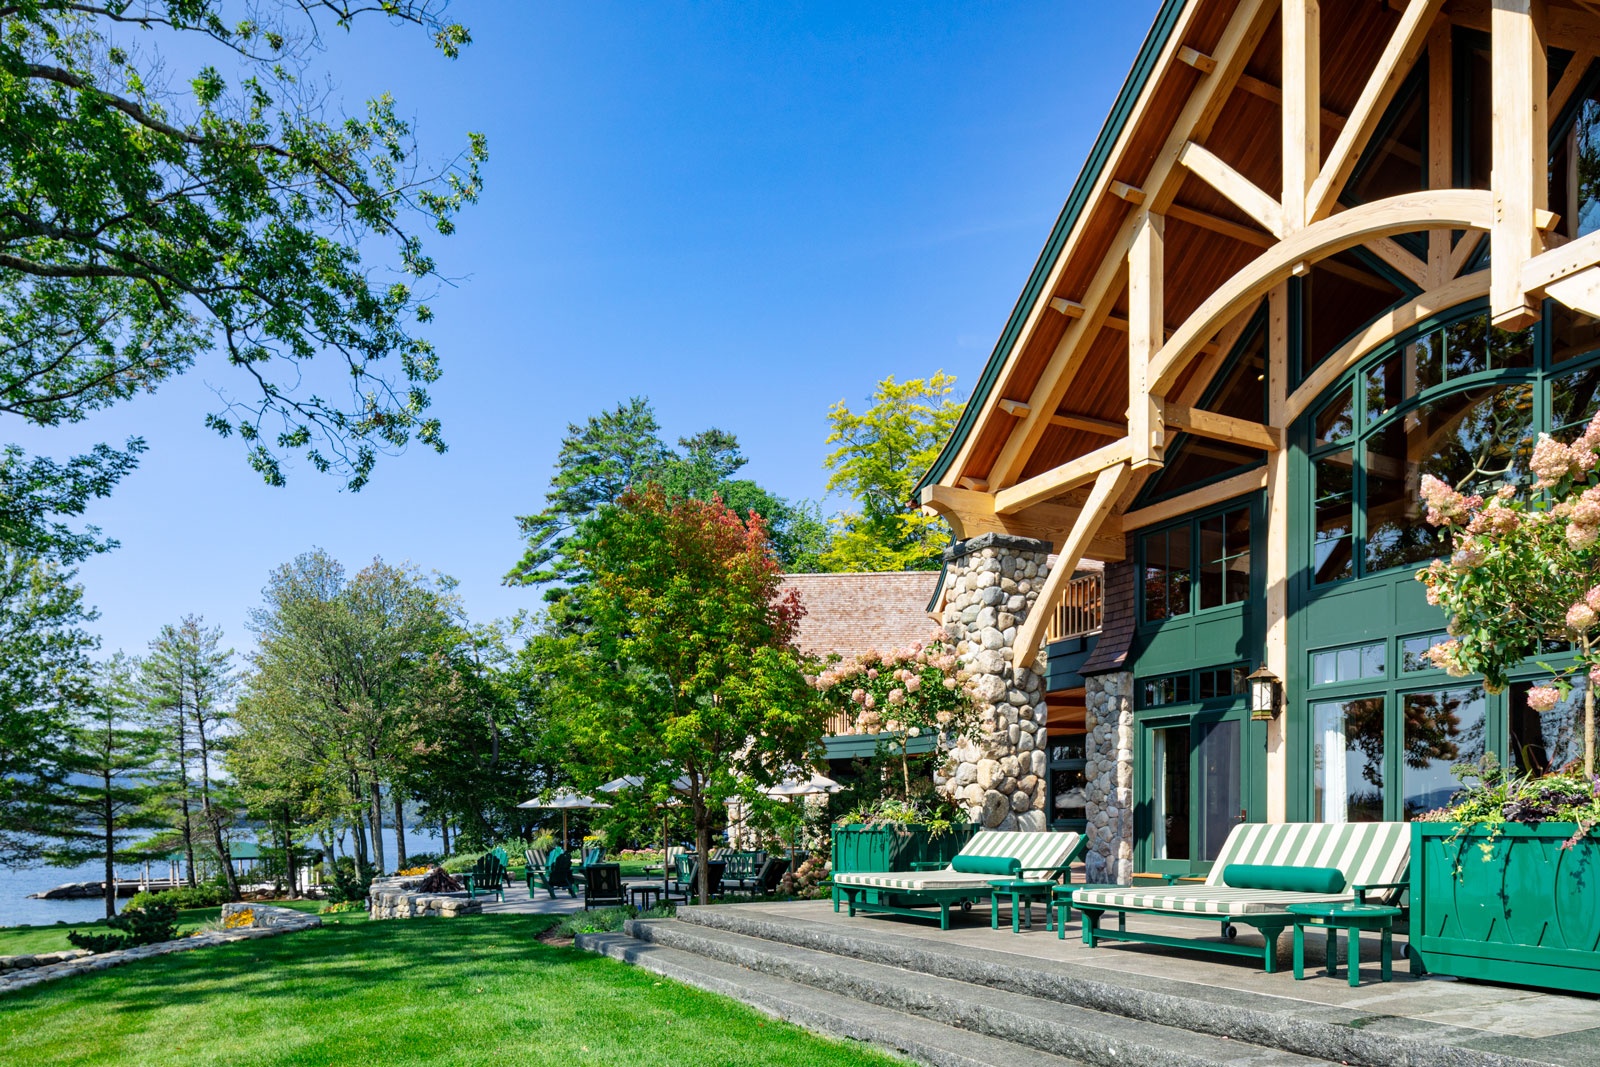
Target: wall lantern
{"type": "Point", "coordinates": [1265, 692]}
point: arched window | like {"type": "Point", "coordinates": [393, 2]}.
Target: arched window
{"type": "Point", "coordinates": [1461, 401]}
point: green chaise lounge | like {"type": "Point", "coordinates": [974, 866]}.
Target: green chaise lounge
{"type": "Point", "coordinates": [1262, 869]}
{"type": "Point", "coordinates": [988, 855]}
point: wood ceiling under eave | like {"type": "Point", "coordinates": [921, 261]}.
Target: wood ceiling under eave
{"type": "Point", "coordinates": [1198, 257]}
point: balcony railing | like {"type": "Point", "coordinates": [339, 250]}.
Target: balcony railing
{"type": "Point", "coordinates": [1081, 609]}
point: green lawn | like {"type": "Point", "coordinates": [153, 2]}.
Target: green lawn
{"type": "Point", "coordinates": [27, 940]}
{"type": "Point", "coordinates": [442, 992]}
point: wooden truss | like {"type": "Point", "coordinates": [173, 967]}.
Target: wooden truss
{"type": "Point", "coordinates": [1302, 225]}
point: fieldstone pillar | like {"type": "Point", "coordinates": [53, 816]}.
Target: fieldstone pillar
{"type": "Point", "coordinates": [1108, 774]}
{"type": "Point", "coordinates": [999, 775]}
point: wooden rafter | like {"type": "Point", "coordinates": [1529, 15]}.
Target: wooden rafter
{"type": "Point", "coordinates": [1302, 100]}
{"type": "Point", "coordinates": [1058, 480]}
{"type": "Point", "coordinates": [1407, 42]}
{"type": "Point", "coordinates": [971, 512]}
{"type": "Point", "coordinates": [1519, 176]}
{"type": "Point", "coordinates": [1224, 428]}
{"type": "Point", "coordinates": [1245, 194]}
{"type": "Point", "coordinates": [1441, 142]}
{"type": "Point", "coordinates": [1147, 332]}
{"type": "Point", "coordinates": [1468, 209]}
{"type": "Point", "coordinates": [1239, 38]}
{"type": "Point", "coordinates": [1108, 486]}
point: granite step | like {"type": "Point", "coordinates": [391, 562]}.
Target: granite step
{"type": "Point", "coordinates": [1322, 1032]}
{"type": "Point", "coordinates": [918, 1039]}
{"type": "Point", "coordinates": [1098, 1038]}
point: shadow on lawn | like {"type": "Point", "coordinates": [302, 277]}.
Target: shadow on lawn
{"type": "Point", "coordinates": [418, 955]}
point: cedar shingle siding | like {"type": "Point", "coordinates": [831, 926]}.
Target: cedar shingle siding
{"type": "Point", "coordinates": [852, 613]}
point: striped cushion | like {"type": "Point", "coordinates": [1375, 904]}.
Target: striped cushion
{"type": "Point", "coordinates": [1368, 853]}
{"type": "Point", "coordinates": [1202, 899]}
{"type": "Point", "coordinates": [915, 881]}
{"type": "Point", "coordinates": [1035, 850]}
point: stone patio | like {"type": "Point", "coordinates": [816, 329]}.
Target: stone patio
{"type": "Point", "coordinates": [1016, 987]}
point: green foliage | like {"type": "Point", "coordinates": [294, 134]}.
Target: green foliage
{"type": "Point", "coordinates": [1491, 796]}
{"type": "Point", "coordinates": [204, 895]}
{"type": "Point", "coordinates": [462, 861]}
{"type": "Point", "coordinates": [45, 678]}
{"type": "Point", "coordinates": [145, 925]}
{"type": "Point", "coordinates": [879, 456]}
{"type": "Point", "coordinates": [608, 920]}
{"type": "Point", "coordinates": [688, 680]}
{"type": "Point", "coordinates": [341, 907]}
{"type": "Point", "coordinates": [157, 215]}
{"type": "Point", "coordinates": [348, 883]}
{"type": "Point", "coordinates": [899, 813]}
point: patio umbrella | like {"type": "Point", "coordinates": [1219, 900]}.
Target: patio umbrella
{"type": "Point", "coordinates": [566, 800]}
{"type": "Point", "coordinates": [813, 786]}
{"type": "Point", "coordinates": [633, 781]}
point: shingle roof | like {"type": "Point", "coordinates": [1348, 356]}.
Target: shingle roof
{"type": "Point", "coordinates": [856, 612]}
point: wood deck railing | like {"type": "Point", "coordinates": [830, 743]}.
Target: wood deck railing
{"type": "Point", "coordinates": [1081, 609]}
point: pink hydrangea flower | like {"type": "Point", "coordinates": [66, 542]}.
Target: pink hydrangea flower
{"type": "Point", "coordinates": [1581, 618]}
{"type": "Point", "coordinates": [1580, 537]}
{"type": "Point", "coordinates": [1543, 697]}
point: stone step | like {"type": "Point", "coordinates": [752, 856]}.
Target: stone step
{"type": "Point", "coordinates": [1094, 1037]}
{"type": "Point", "coordinates": [1317, 1030]}
{"type": "Point", "coordinates": [815, 1009]}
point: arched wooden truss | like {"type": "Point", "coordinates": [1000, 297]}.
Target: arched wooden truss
{"type": "Point", "coordinates": [1300, 227]}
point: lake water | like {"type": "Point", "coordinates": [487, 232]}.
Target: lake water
{"type": "Point", "coordinates": [17, 909]}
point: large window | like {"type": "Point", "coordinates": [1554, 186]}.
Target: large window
{"type": "Point", "coordinates": [1347, 758]}
{"type": "Point", "coordinates": [1200, 564]}
{"type": "Point", "coordinates": [1462, 402]}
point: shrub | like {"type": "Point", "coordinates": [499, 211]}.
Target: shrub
{"type": "Point", "coordinates": [461, 861]}
{"type": "Point", "coordinates": [608, 920]}
{"type": "Point", "coordinates": [544, 842]}
{"type": "Point", "coordinates": [146, 925]}
{"type": "Point", "coordinates": [204, 895]}
{"type": "Point", "coordinates": [342, 906]}
{"type": "Point", "coordinates": [423, 859]}
{"type": "Point", "coordinates": [347, 882]}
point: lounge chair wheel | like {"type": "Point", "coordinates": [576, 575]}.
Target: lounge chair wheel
{"type": "Point", "coordinates": [1405, 950]}
{"type": "Point", "coordinates": [1230, 932]}
{"type": "Point", "coordinates": [966, 905]}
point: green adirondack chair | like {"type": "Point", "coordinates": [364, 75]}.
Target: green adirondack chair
{"type": "Point", "coordinates": [488, 875]}
{"type": "Point", "coordinates": [556, 874]}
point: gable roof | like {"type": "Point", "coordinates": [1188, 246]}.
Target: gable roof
{"type": "Point", "coordinates": [857, 612]}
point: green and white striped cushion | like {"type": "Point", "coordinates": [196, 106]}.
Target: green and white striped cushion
{"type": "Point", "coordinates": [1201, 899]}
{"type": "Point", "coordinates": [1035, 850]}
{"type": "Point", "coordinates": [1368, 853]}
{"type": "Point", "coordinates": [915, 881]}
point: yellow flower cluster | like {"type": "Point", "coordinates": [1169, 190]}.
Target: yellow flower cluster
{"type": "Point", "coordinates": [239, 920]}
{"type": "Point", "coordinates": [412, 870]}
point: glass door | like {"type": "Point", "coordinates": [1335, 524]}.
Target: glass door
{"type": "Point", "coordinates": [1194, 781]}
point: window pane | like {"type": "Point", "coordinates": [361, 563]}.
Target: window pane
{"type": "Point", "coordinates": [1473, 440]}
{"type": "Point", "coordinates": [1575, 170]}
{"type": "Point", "coordinates": [1335, 421]}
{"type": "Point", "coordinates": [1324, 668]}
{"type": "Point", "coordinates": [1332, 558]}
{"type": "Point", "coordinates": [1542, 743]}
{"type": "Point", "coordinates": [1180, 562]}
{"type": "Point", "coordinates": [1213, 553]}
{"type": "Point", "coordinates": [1574, 399]}
{"type": "Point", "coordinates": [1066, 790]}
{"type": "Point", "coordinates": [1340, 295]}
{"type": "Point", "coordinates": [1220, 799]}
{"type": "Point", "coordinates": [1169, 752]}
{"type": "Point", "coordinates": [1443, 728]}
{"type": "Point", "coordinates": [1412, 649]}
{"type": "Point", "coordinates": [1372, 657]}
{"type": "Point", "coordinates": [1572, 334]}
{"type": "Point", "coordinates": [1155, 576]}
{"type": "Point", "coordinates": [1347, 761]}
{"type": "Point", "coordinates": [1243, 393]}
{"type": "Point", "coordinates": [1236, 575]}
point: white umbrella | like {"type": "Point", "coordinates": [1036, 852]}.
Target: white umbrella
{"type": "Point", "coordinates": [633, 781]}
{"type": "Point", "coordinates": [792, 787]}
{"type": "Point", "coordinates": [566, 800]}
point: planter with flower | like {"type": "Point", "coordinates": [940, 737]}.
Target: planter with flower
{"type": "Point", "coordinates": [901, 696]}
{"type": "Point", "coordinates": [1503, 882]}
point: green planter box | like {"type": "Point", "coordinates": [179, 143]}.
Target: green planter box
{"type": "Point", "coordinates": [1529, 914]}
{"type": "Point", "coordinates": [858, 848]}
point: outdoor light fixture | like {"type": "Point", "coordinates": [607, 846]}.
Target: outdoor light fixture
{"type": "Point", "coordinates": [1265, 690]}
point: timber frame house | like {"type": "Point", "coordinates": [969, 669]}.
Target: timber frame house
{"type": "Point", "coordinates": [1320, 248]}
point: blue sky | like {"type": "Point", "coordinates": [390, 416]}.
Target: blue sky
{"type": "Point", "coordinates": [746, 212]}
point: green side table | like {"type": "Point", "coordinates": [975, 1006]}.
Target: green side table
{"type": "Point", "coordinates": [1023, 892]}
{"type": "Point", "coordinates": [1061, 906]}
{"type": "Point", "coordinates": [1353, 919]}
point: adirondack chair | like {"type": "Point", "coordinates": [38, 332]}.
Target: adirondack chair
{"type": "Point", "coordinates": [556, 874]}
{"type": "Point", "coordinates": [742, 869]}
{"type": "Point", "coordinates": [536, 858]}
{"type": "Point", "coordinates": [592, 856]}
{"type": "Point", "coordinates": [603, 886]}
{"type": "Point", "coordinates": [499, 853]}
{"type": "Point", "coordinates": [487, 876]}
{"type": "Point", "coordinates": [764, 880]}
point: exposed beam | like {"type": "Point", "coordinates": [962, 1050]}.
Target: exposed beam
{"type": "Point", "coordinates": [1239, 38]}
{"type": "Point", "coordinates": [1070, 308]}
{"type": "Point", "coordinates": [1565, 27]}
{"type": "Point", "coordinates": [975, 484]}
{"type": "Point", "coordinates": [1570, 79]}
{"type": "Point", "coordinates": [1052, 483]}
{"type": "Point", "coordinates": [1558, 263]}
{"type": "Point", "coordinates": [1241, 191]}
{"type": "Point", "coordinates": [970, 513]}
{"type": "Point", "coordinates": [1274, 95]}
{"type": "Point", "coordinates": [1089, 424]}
{"type": "Point", "coordinates": [1275, 565]}
{"type": "Point", "coordinates": [1409, 266]}
{"type": "Point", "coordinates": [1215, 493]}
{"type": "Point", "coordinates": [1461, 252]}
{"type": "Point", "coordinates": [1302, 99]}
{"type": "Point", "coordinates": [1393, 64]}
{"type": "Point", "coordinates": [1224, 428]}
{"type": "Point", "coordinates": [1217, 224]}
{"type": "Point", "coordinates": [1108, 484]}
{"type": "Point", "coordinates": [1197, 59]}
{"type": "Point", "coordinates": [1015, 407]}
{"type": "Point", "coordinates": [1441, 141]}
{"type": "Point", "coordinates": [1465, 209]}
{"type": "Point", "coordinates": [1131, 193]}
{"type": "Point", "coordinates": [1147, 332]}
{"type": "Point", "coordinates": [1520, 173]}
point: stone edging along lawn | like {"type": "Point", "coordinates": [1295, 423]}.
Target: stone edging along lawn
{"type": "Point", "coordinates": [265, 921]}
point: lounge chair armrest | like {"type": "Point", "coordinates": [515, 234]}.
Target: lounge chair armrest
{"type": "Point", "coordinates": [928, 865]}
{"type": "Point", "coordinates": [1363, 890]}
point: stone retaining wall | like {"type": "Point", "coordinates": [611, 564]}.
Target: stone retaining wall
{"type": "Point", "coordinates": [42, 959]}
{"type": "Point", "coordinates": [266, 921]}
{"type": "Point", "coordinates": [398, 898]}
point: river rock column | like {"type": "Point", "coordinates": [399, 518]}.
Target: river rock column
{"type": "Point", "coordinates": [1108, 777]}
{"type": "Point", "coordinates": [998, 775]}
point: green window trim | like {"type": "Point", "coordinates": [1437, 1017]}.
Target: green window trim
{"type": "Point", "coordinates": [1189, 689]}
{"type": "Point", "coordinates": [1193, 579]}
